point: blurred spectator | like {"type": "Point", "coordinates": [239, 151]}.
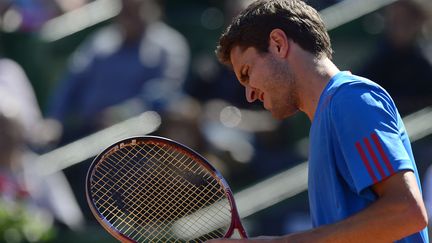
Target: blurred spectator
{"type": "Point", "coordinates": [17, 97]}
{"type": "Point", "coordinates": [27, 15]}
{"type": "Point", "coordinates": [30, 15]}
{"type": "Point", "coordinates": [16, 212]}
{"type": "Point", "coordinates": [23, 125]}
{"type": "Point", "coordinates": [30, 204]}
{"type": "Point", "coordinates": [11, 142]}
{"type": "Point", "coordinates": [400, 64]}
{"type": "Point", "coordinates": [136, 63]}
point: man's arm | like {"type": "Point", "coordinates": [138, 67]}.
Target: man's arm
{"type": "Point", "coordinates": [398, 212]}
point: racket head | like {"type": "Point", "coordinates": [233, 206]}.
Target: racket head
{"type": "Point", "coordinates": [125, 180]}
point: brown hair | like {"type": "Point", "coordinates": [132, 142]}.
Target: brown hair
{"type": "Point", "coordinates": [252, 27]}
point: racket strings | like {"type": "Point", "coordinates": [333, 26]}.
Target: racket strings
{"type": "Point", "coordinates": [168, 212]}
{"type": "Point", "coordinates": [163, 169]}
{"type": "Point", "coordinates": [146, 199]}
{"type": "Point", "coordinates": [107, 200]}
{"type": "Point", "coordinates": [207, 219]}
{"type": "Point", "coordinates": [192, 208]}
{"type": "Point", "coordinates": [166, 189]}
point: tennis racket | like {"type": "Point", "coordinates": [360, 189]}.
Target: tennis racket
{"type": "Point", "coordinates": [152, 189]}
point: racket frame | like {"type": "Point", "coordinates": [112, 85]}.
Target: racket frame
{"type": "Point", "coordinates": [235, 217]}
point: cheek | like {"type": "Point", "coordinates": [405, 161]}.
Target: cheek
{"type": "Point", "coordinates": [273, 86]}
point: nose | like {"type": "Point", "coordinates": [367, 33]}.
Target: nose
{"type": "Point", "coordinates": [251, 94]}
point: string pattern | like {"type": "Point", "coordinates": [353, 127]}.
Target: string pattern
{"type": "Point", "coordinates": [155, 192]}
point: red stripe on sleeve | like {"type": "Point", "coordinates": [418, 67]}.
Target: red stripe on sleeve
{"type": "Point", "coordinates": [374, 158]}
{"type": "Point", "coordinates": [366, 162]}
{"type": "Point", "coordinates": [382, 153]}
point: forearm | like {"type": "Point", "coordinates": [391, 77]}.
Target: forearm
{"type": "Point", "coordinates": [375, 224]}
{"type": "Point", "coordinates": [398, 213]}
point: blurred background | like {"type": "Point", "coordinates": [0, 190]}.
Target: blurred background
{"type": "Point", "coordinates": [78, 75]}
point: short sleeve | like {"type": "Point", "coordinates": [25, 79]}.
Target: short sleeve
{"type": "Point", "coordinates": [369, 132]}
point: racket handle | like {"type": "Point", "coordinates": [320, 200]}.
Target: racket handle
{"type": "Point", "coordinates": [238, 234]}
{"type": "Point", "coordinates": [236, 231]}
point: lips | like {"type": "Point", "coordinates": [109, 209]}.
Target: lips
{"type": "Point", "coordinates": [265, 105]}
{"type": "Point", "coordinates": [261, 98]}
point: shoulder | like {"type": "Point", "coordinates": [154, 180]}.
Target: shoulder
{"type": "Point", "coordinates": [361, 103]}
{"type": "Point", "coordinates": [166, 36]}
{"type": "Point", "coordinates": [9, 64]}
{"type": "Point", "coordinates": [161, 29]}
{"type": "Point", "coordinates": [101, 43]}
{"type": "Point", "coordinates": [353, 84]}
{"type": "Point", "coordinates": [12, 73]}
{"type": "Point", "coordinates": [356, 92]}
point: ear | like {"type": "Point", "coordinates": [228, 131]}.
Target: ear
{"type": "Point", "coordinates": [279, 43]}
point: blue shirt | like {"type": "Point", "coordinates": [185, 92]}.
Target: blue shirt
{"type": "Point", "coordinates": [357, 139]}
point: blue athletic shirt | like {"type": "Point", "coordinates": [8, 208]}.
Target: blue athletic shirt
{"type": "Point", "coordinates": [357, 139]}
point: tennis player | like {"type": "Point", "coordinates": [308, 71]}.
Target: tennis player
{"type": "Point", "coordinates": [363, 181]}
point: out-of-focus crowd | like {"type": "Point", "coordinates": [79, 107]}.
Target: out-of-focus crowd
{"type": "Point", "coordinates": [140, 59]}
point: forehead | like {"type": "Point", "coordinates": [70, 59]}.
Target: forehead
{"type": "Point", "coordinates": [241, 56]}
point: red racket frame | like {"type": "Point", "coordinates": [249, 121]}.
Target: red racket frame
{"type": "Point", "coordinates": [235, 217]}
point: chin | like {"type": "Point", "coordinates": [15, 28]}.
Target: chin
{"type": "Point", "coordinates": [278, 116]}
{"type": "Point", "coordinates": [281, 116]}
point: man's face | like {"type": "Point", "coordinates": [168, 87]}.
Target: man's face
{"type": "Point", "coordinates": [130, 19]}
{"type": "Point", "coordinates": [268, 79]}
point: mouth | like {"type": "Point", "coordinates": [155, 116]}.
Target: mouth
{"type": "Point", "coordinates": [260, 96]}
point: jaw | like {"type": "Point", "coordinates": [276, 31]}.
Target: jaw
{"type": "Point", "coordinates": [281, 114]}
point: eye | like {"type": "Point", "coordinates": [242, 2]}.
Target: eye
{"type": "Point", "coordinates": [244, 75]}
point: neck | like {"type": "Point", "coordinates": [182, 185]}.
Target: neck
{"type": "Point", "coordinates": [314, 77]}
